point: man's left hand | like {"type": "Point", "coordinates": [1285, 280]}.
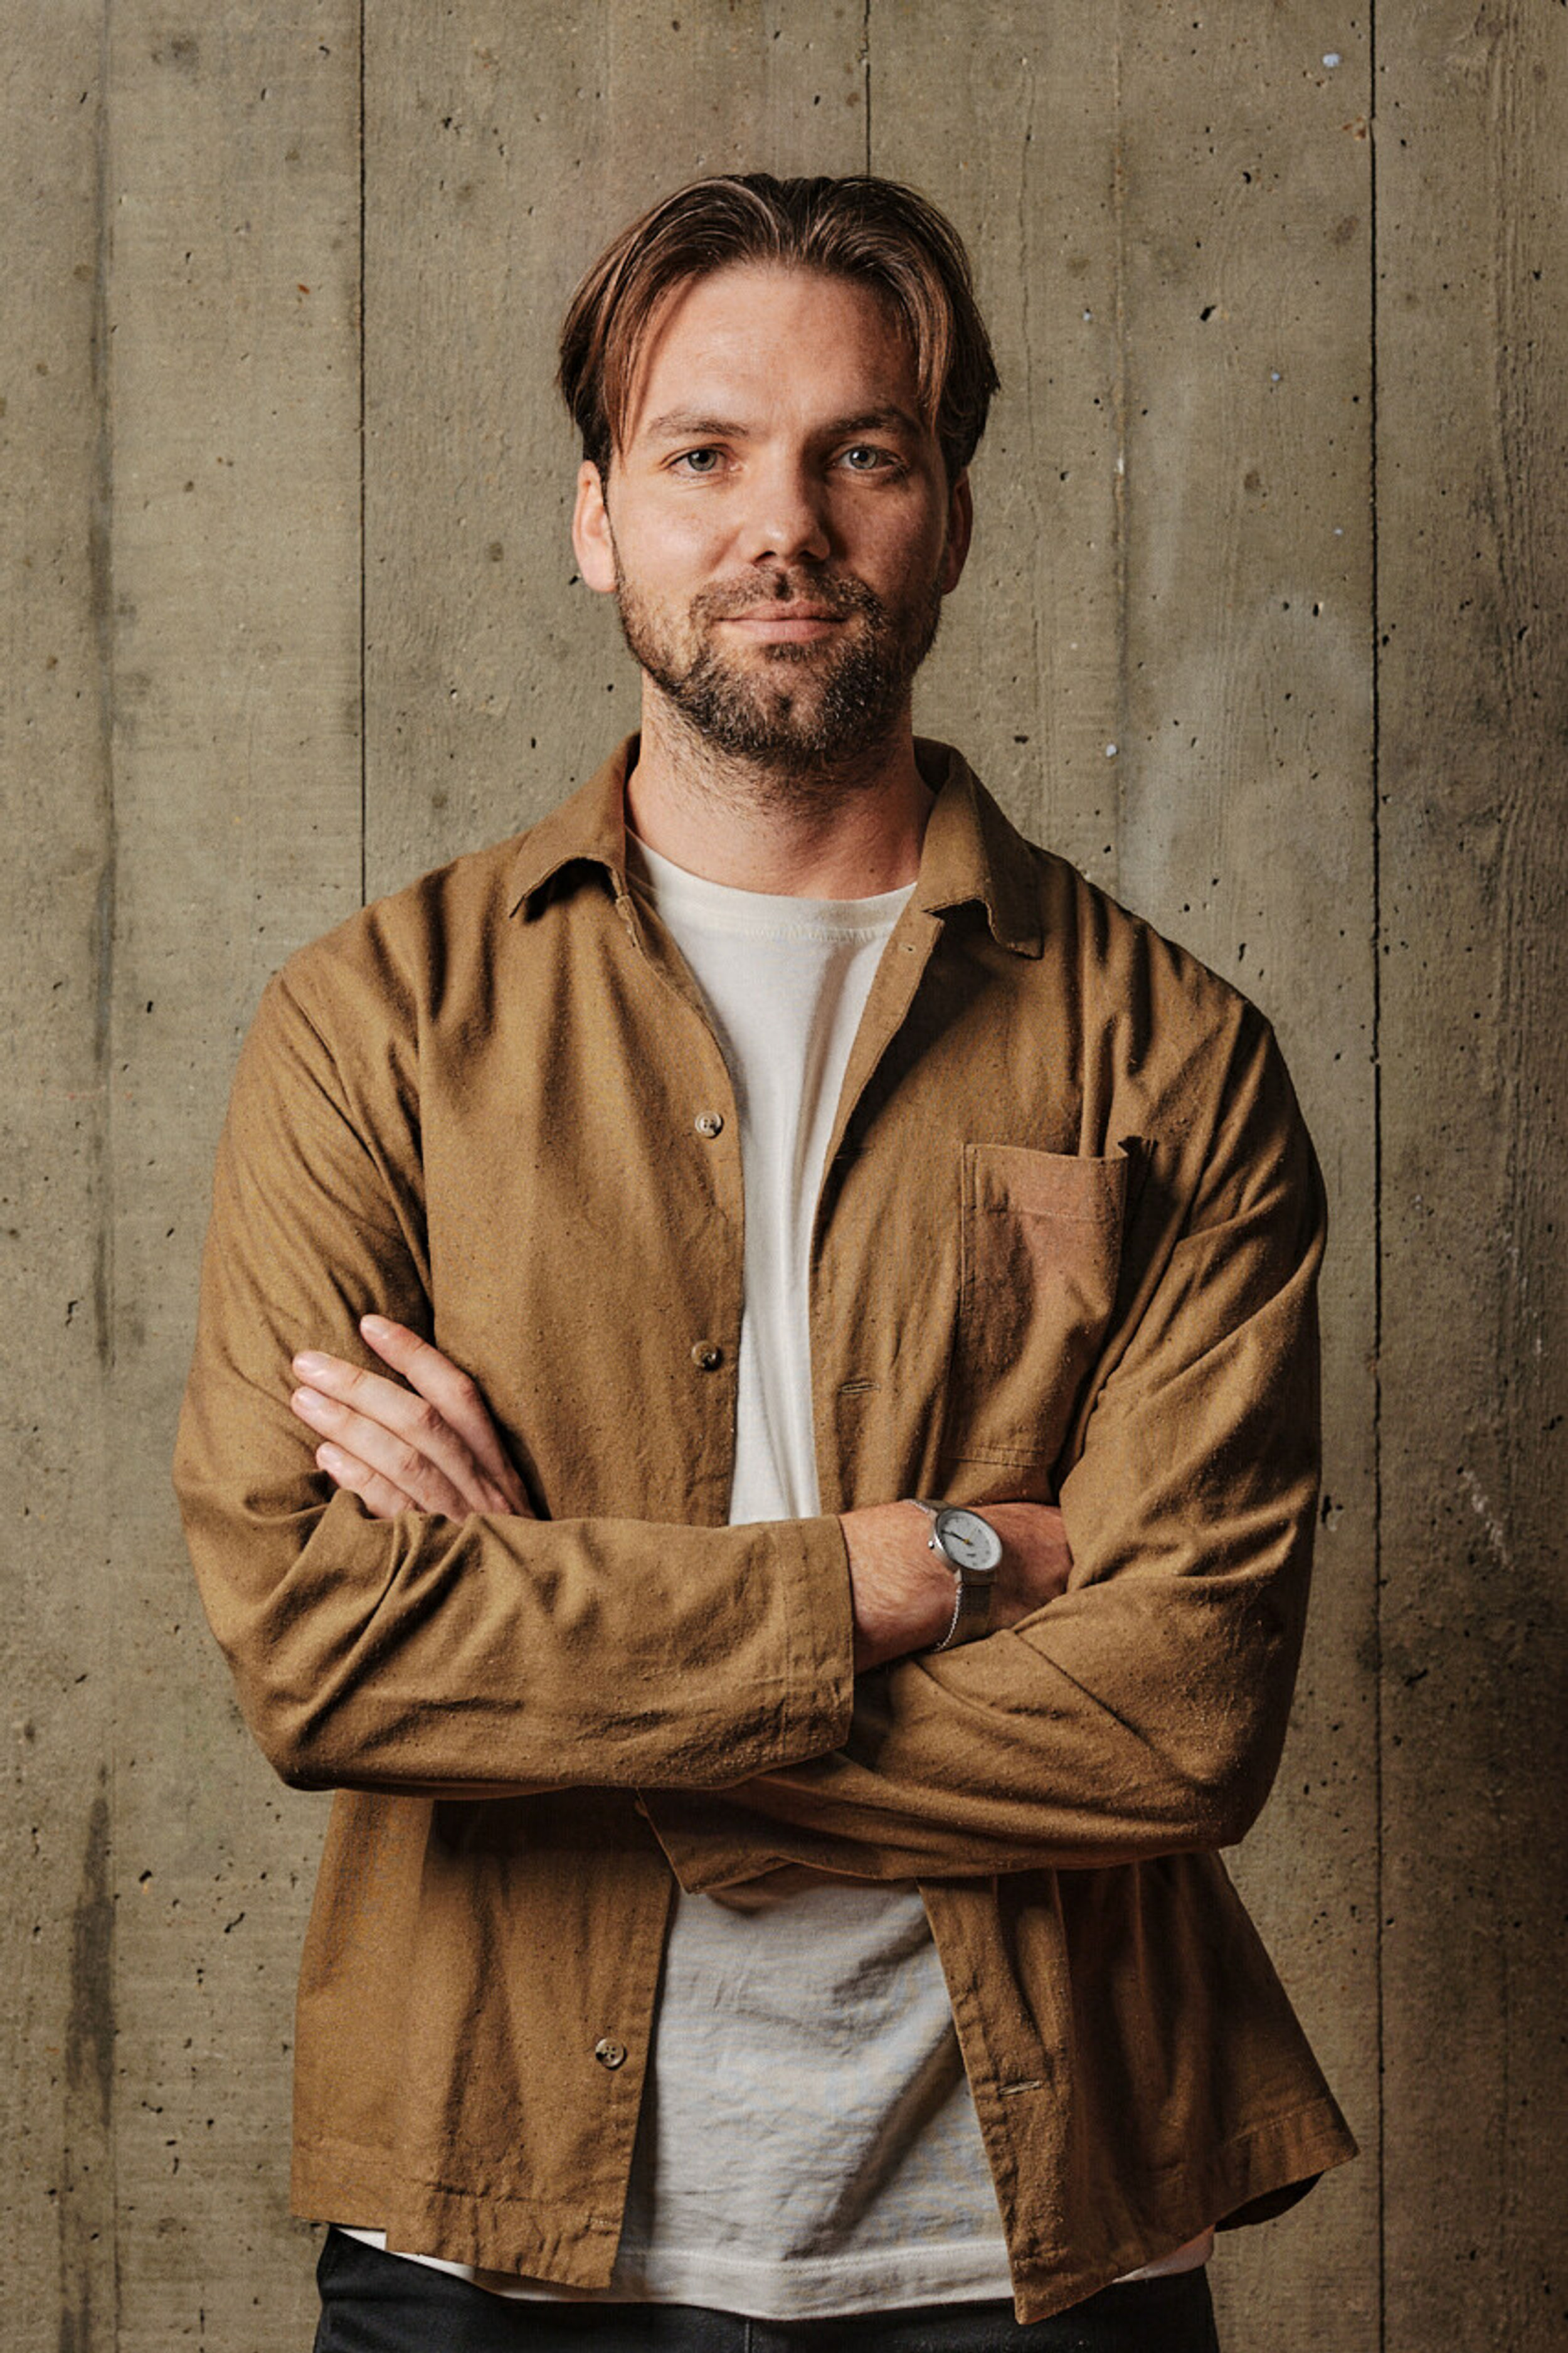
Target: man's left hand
{"type": "Point", "coordinates": [430, 1446]}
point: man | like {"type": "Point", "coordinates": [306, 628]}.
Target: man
{"type": "Point", "coordinates": [760, 1904]}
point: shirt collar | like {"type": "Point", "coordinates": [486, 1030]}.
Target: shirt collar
{"type": "Point", "coordinates": [971, 855]}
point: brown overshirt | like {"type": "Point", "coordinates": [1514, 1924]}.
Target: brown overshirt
{"type": "Point", "coordinates": [1065, 1248]}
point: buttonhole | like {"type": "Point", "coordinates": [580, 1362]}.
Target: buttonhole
{"type": "Point", "coordinates": [1034, 2083]}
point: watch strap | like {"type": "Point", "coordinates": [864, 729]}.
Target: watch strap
{"type": "Point", "coordinates": [971, 1601]}
{"type": "Point", "coordinates": [970, 1612]}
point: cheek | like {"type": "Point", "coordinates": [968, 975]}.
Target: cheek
{"type": "Point", "coordinates": [670, 545]}
{"type": "Point", "coordinates": [903, 570]}
{"type": "Point", "coordinates": [896, 542]}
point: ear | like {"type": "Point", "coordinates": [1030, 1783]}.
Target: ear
{"type": "Point", "coordinates": [591, 531]}
{"type": "Point", "coordinates": [959, 529]}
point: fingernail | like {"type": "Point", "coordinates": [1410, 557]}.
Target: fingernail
{"type": "Point", "coordinates": [374, 1326]}
{"type": "Point", "coordinates": [309, 1362]}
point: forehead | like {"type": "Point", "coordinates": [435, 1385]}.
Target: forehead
{"type": "Point", "coordinates": [787, 342]}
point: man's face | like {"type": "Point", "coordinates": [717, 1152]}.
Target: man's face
{"type": "Point", "coordinates": [779, 532]}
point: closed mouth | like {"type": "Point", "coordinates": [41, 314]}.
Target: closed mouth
{"type": "Point", "coordinates": [786, 613]}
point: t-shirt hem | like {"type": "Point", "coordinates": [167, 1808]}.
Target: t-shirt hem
{"type": "Point", "coordinates": [825, 2288]}
{"type": "Point", "coordinates": [901, 2279]}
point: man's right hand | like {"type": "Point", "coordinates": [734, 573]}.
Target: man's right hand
{"type": "Point", "coordinates": [431, 1446]}
{"type": "Point", "coordinates": [902, 1591]}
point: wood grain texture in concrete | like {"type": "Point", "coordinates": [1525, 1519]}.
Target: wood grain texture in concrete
{"type": "Point", "coordinates": [1473, 587]}
{"type": "Point", "coordinates": [57, 1942]}
{"type": "Point", "coordinates": [203, 464]}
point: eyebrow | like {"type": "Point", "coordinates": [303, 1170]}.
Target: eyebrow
{"type": "Point", "coordinates": [677, 424]}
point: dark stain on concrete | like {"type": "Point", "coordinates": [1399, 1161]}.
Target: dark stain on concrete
{"type": "Point", "coordinates": [76, 2322]}
{"type": "Point", "coordinates": [103, 1293]}
{"type": "Point", "coordinates": [90, 2026]}
{"type": "Point", "coordinates": [101, 557]}
{"type": "Point", "coordinates": [103, 958]}
{"type": "Point", "coordinates": [86, 2169]}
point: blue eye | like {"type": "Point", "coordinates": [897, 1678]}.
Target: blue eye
{"type": "Point", "coordinates": [865, 449]}
{"type": "Point", "coordinates": [690, 459]}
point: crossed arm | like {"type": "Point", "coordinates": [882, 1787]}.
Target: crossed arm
{"type": "Point", "coordinates": [426, 1442]}
{"type": "Point", "coordinates": [1132, 1704]}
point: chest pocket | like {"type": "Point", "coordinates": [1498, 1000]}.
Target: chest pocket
{"type": "Point", "coordinates": [1040, 1247]}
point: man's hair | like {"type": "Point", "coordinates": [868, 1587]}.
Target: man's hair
{"type": "Point", "coordinates": [874, 232]}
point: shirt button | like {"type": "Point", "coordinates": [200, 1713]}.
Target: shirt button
{"type": "Point", "coordinates": [707, 1357]}
{"type": "Point", "coordinates": [709, 1122]}
{"type": "Point", "coordinates": [610, 2055]}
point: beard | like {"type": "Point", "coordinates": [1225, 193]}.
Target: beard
{"type": "Point", "coordinates": [800, 709]}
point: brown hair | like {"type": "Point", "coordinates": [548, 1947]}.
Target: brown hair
{"type": "Point", "coordinates": [874, 231]}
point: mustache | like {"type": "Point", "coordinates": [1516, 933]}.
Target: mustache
{"type": "Point", "coordinates": [836, 596]}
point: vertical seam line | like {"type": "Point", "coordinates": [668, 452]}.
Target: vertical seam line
{"type": "Point", "coordinates": [1119, 480]}
{"type": "Point", "coordinates": [105, 517]}
{"type": "Point", "coordinates": [364, 567]}
{"type": "Point", "coordinates": [1377, 1201]}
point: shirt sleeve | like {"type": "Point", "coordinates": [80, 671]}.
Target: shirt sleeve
{"type": "Point", "coordinates": [490, 1656]}
{"type": "Point", "coordinates": [1141, 1713]}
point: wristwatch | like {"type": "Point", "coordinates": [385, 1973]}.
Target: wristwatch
{"type": "Point", "coordinates": [973, 1550]}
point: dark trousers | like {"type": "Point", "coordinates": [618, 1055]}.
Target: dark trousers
{"type": "Point", "coordinates": [374, 2302]}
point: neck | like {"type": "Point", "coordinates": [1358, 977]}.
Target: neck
{"type": "Point", "coordinates": [844, 829]}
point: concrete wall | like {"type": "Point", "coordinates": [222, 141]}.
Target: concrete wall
{"type": "Point", "coordinates": [1265, 627]}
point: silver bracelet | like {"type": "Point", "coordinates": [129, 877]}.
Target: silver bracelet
{"type": "Point", "coordinates": [957, 1613]}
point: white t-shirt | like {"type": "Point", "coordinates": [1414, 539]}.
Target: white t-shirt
{"type": "Point", "coordinates": [808, 2145]}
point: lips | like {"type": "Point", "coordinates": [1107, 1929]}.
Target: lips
{"type": "Point", "coordinates": [785, 613]}
{"type": "Point", "coordinates": [781, 627]}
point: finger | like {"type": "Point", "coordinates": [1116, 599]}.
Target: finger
{"type": "Point", "coordinates": [453, 1394]}
{"type": "Point", "coordinates": [417, 1429]}
{"type": "Point", "coordinates": [405, 1464]}
{"type": "Point", "coordinates": [380, 1499]}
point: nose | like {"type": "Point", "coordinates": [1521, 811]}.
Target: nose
{"type": "Point", "coordinates": [786, 518]}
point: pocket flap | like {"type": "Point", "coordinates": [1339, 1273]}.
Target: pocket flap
{"type": "Point", "coordinates": [1022, 1183]}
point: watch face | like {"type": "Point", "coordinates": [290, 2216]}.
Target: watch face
{"type": "Point", "coordinates": [971, 1543]}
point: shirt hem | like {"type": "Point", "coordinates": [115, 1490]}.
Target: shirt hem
{"type": "Point", "coordinates": [506, 2233]}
